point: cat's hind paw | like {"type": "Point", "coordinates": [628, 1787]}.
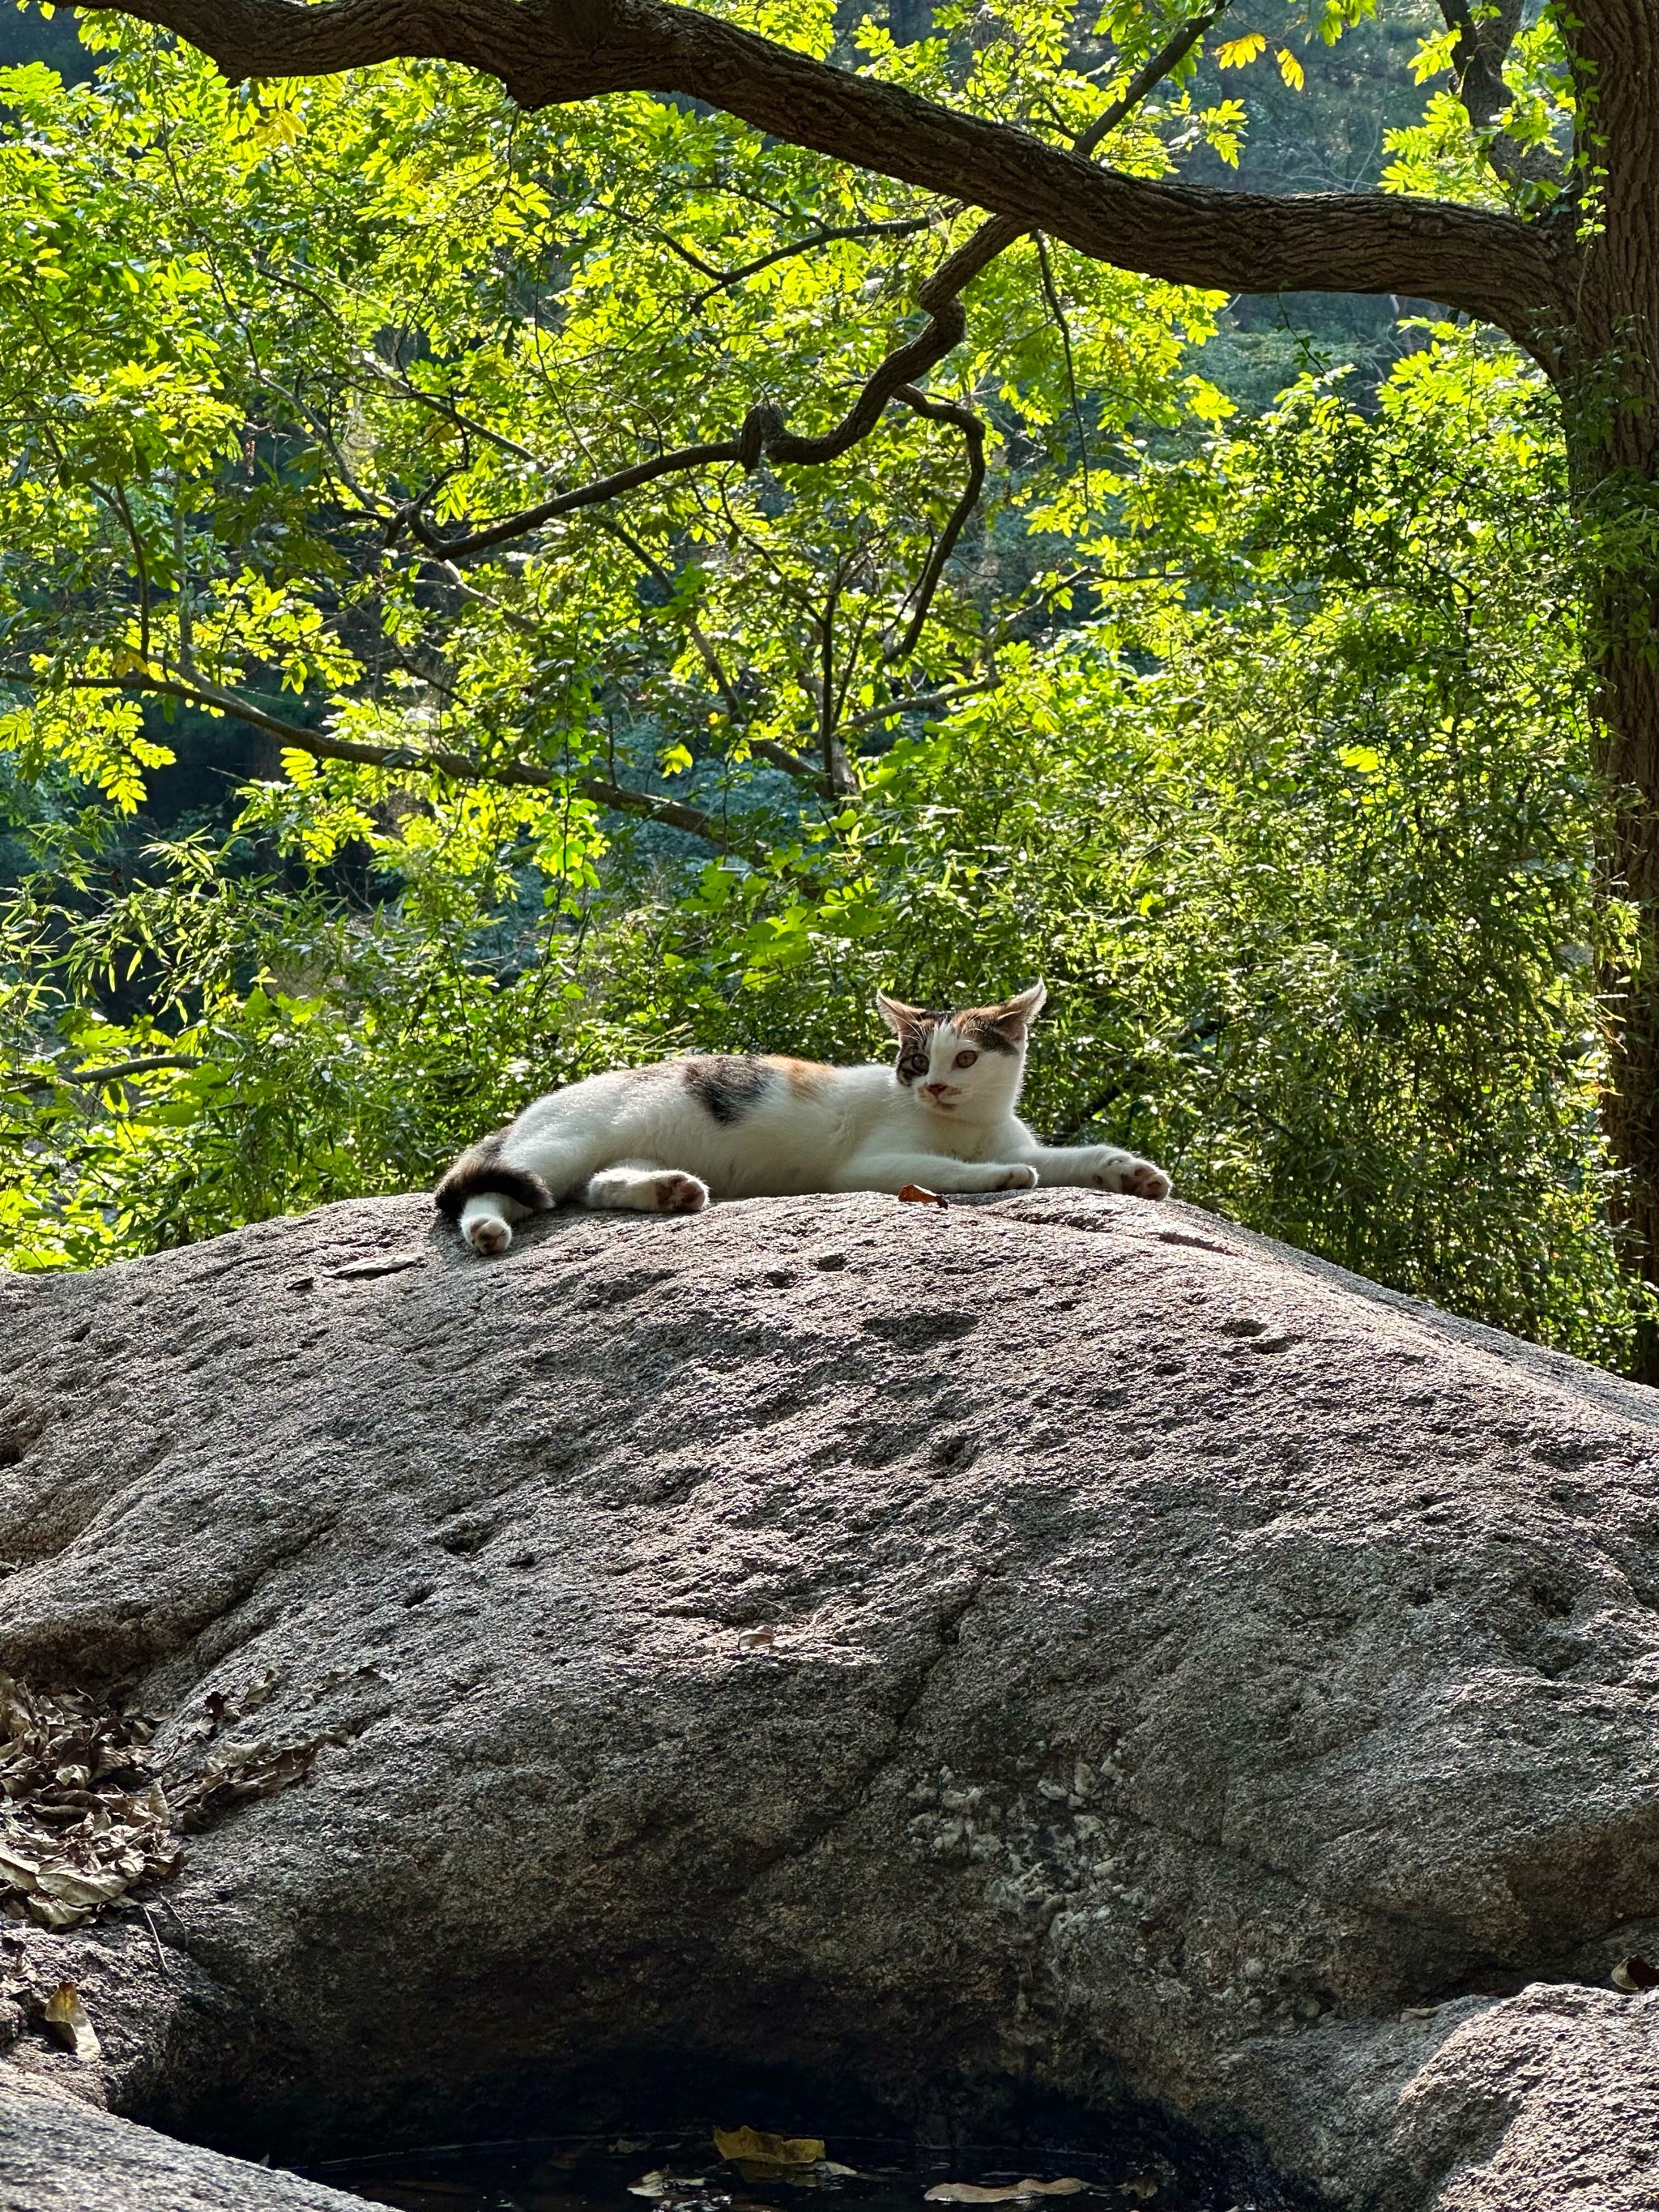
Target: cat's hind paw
{"type": "Point", "coordinates": [487, 1234]}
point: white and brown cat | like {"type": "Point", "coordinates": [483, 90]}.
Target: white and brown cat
{"type": "Point", "coordinates": [667, 1139]}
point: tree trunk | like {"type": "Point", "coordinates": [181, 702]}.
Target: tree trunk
{"type": "Point", "coordinates": [1628, 703]}
{"type": "Point", "coordinates": [1610, 390]}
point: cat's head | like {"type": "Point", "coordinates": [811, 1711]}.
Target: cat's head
{"type": "Point", "coordinates": [965, 1064]}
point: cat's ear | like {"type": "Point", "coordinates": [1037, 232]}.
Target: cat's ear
{"type": "Point", "coordinates": [899, 1017]}
{"type": "Point", "coordinates": [1015, 1015]}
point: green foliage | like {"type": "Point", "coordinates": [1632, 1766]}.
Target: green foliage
{"type": "Point", "coordinates": [1266, 749]}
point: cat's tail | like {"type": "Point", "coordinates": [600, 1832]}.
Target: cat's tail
{"type": "Point", "coordinates": [478, 1190]}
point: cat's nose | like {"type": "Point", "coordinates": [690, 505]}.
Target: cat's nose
{"type": "Point", "coordinates": [936, 1090]}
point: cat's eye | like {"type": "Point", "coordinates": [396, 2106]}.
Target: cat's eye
{"type": "Point", "coordinates": [966, 1059]}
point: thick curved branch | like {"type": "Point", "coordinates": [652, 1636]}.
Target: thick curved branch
{"type": "Point", "coordinates": [764, 433]}
{"type": "Point", "coordinates": [519, 524]}
{"type": "Point", "coordinates": [1513, 274]}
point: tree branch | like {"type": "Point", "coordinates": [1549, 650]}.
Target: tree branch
{"type": "Point", "coordinates": [792, 763]}
{"type": "Point", "coordinates": [1147, 79]}
{"type": "Point", "coordinates": [1513, 274]}
{"type": "Point", "coordinates": [900, 227]}
{"type": "Point", "coordinates": [93, 1079]}
{"type": "Point", "coordinates": [437, 760]}
{"type": "Point", "coordinates": [973, 437]}
{"type": "Point", "coordinates": [764, 433]}
{"type": "Point", "coordinates": [919, 702]}
{"type": "Point", "coordinates": [1478, 61]}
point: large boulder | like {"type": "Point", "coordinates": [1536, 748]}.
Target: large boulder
{"type": "Point", "coordinates": [1067, 1647]}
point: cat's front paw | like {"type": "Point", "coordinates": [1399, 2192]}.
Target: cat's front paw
{"type": "Point", "coordinates": [488, 1236]}
{"type": "Point", "coordinates": [678, 1194]}
{"type": "Point", "coordinates": [1014, 1178]}
{"type": "Point", "coordinates": [1140, 1179]}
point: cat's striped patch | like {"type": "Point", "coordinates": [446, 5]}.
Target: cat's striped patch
{"type": "Point", "coordinates": [988, 1027]}
{"type": "Point", "coordinates": [479, 1172]}
{"type": "Point", "coordinates": [729, 1085]}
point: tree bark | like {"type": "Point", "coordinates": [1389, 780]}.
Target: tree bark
{"type": "Point", "coordinates": [1516, 274]}
{"type": "Point", "coordinates": [1608, 377]}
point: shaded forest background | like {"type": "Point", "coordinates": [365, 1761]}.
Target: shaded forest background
{"type": "Point", "coordinates": [1249, 708]}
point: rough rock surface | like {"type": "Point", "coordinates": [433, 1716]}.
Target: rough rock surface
{"type": "Point", "coordinates": [1067, 1641]}
{"type": "Point", "coordinates": [1561, 2087]}
{"type": "Point", "coordinates": [59, 2155]}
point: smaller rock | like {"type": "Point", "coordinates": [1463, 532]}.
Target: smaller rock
{"type": "Point", "coordinates": [55, 2153]}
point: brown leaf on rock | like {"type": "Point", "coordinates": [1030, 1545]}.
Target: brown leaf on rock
{"type": "Point", "coordinates": [1634, 1973]}
{"type": "Point", "coordinates": [238, 1773]}
{"type": "Point", "coordinates": [975, 2192]}
{"type": "Point", "coordinates": [755, 2147]}
{"type": "Point", "coordinates": [913, 1194]}
{"type": "Point", "coordinates": [71, 1887]}
{"type": "Point", "coordinates": [66, 2017]}
{"type": "Point", "coordinates": [49, 1912]}
{"type": "Point", "coordinates": [18, 1873]}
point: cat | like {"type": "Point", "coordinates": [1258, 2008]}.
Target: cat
{"type": "Point", "coordinates": [670, 1138]}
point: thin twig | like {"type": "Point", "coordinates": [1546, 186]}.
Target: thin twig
{"type": "Point", "coordinates": [899, 227]}
{"type": "Point", "coordinates": [93, 1079]}
{"type": "Point", "coordinates": [1058, 313]}
{"type": "Point", "coordinates": [919, 702]}
{"type": "Point", "coordinates": [973, 435]}
{"type": "Point", "coordinates": [1147, 79]}
{"type": "Point", "coordinates": [161, 1955]}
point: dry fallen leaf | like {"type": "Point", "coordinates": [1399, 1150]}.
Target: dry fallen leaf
{"type": "Point", "coordinates": [758, 2147]}
{"type": "Point", "coordinates": [913, 1194]}
{"type": "Point", "coordinates": [82, 1814]}
{"type": "Point", "coordinates": [1635, 1973]}
{"type": "Point", "coordinates": [19, 1872]}
{"type": "Point", "coordinates": [66, 2017]}
{"type": "Point", "coordinates": [973, 2193]}
{"type": "Point", "coordinates": [757, 1639]}
{"type": "Point", "coordinates": [73, 1888]}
